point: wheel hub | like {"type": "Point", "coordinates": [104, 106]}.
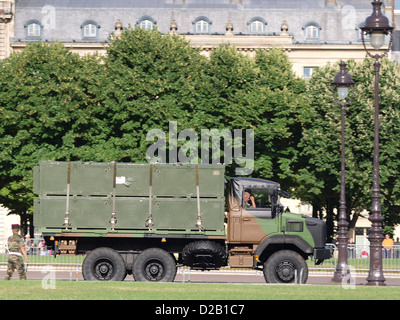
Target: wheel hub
{"type": "Point", "coordinates": [104, 270]}
{"type": "Point", "coordinates": [154, 271]}
{"type": "Point", "coordinates": [286, 271]}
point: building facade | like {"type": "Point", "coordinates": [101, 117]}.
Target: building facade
{"type": "Point", "coordinates": [6, 221]}
{"type": "Point", "coordinates": [311, 32]}
{"type": "Point", "coordinates": [7, 10]}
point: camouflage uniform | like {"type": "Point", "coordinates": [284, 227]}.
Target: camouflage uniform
{"type": "Point", "coordinates": [15, 261]}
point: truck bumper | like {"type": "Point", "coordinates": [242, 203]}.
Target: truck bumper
{"type": "Point", "coordinates": [321, 254]}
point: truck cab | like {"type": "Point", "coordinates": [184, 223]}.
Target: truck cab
{"type": "Point", "coordinates": [262, 235]}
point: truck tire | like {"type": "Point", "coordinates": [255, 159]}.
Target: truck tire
{"type": "Point", "coordinates": [104, 264]}
{"type": "Point", "coordinates": [154, 264]}
{"type": "Point", "coordinates": [285, 266]}
{"type": "Point", "coordinates": [203, 255]}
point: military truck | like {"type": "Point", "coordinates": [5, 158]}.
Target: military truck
{"type": "Point", "coordinates": [148, 219]}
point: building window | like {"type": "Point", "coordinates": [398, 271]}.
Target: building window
{"type": "Point", "coordinates": [307, 72]}
{"type": "Point", "coordinates": [33, 29]}
{"type": "Point", "coordinates": [312, 31]}
{"type": "Point", "coordinates": [257, 25]}
{"type": "Point", "coordinates": [146, 22]}
{"type": "Point", "coordinates": [90, 30]}
{"type": "Point", "coordinates": [202, 25]}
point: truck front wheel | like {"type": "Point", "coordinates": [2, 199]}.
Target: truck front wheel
{"type": "Point", "coordinates": [104, 264]}
{"type": "Point", "coordinates": [154, 264]}
{"type": "Point", "coordinates": [285, 266]}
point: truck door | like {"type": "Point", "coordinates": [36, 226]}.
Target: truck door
{"type": "Point", "coordinates": [251, 230]}
{"type": "Point", "coordinates": [256, 214]}
{"type": "Point", "coordinates": [252, 220]}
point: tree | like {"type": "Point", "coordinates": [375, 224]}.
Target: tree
{"type": "Point", "coordinates": [150, 79]}
{"type": "Point", "coordinates": [45, 92]}
{"type": "Point", "coordinates": [58, 106]}
{"type": "Point", "coordinates": [283, 101]}
{"type": "Point", "coordinates": [263, 94]}
{"type": "Point", "coordinates": [320, 143]}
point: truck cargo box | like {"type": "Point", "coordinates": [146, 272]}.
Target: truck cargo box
{"type": "Point", "coordinates": [91, 178]}
{"type": "Point", "coordinates": [90, 194]}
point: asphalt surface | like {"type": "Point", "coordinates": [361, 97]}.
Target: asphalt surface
{"type": "Point", "coordinates": [205, 277]}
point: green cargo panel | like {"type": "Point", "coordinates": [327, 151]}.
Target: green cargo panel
{"type": "Point", "coordinates": [131, 213]}
{"type": "Point", "coordinates": [180, 180]}
{"type": "Point", "coordinates": [85, 212]}
{"type": "Point", "coordinates": [131, 179]}
{"type": "Point", "coordinates": [182, 214]}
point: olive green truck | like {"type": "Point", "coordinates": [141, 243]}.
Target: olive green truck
{"type": "Point", "coordinates": [148, 219]}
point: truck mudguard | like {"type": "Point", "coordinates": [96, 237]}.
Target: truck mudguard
{"type": "Point", "coordinates": [284, 239]}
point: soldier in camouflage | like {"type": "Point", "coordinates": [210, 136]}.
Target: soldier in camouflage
{"type": "Point", "coordinates": [16, 248]}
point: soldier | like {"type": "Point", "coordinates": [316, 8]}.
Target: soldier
{"type": "Point", "coordinates": [248, 197]}
{"type": "Point", "coordinates": [16, 248]}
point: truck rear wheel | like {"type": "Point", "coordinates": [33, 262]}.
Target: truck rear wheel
{"type": "Point", "coordinates": [285, 266]}
{"type": "Point", "coordinates": [154, 264]}
{"type": "Point", "coordinates": [104, 264]}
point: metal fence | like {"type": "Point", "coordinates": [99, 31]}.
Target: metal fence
{"type": "Point", "coordinates": [41, 258]}
{"type": "Point", "coordinates": [358, 260]}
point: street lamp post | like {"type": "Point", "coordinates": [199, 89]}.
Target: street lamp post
{"type": "Point", "coordinates": [340, 91]}
{"type": "Point", "coordinates": [377, 27]}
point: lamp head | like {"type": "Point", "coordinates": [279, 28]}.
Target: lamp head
{"type": "Point", "coordinates": [377, 26]}
{"type": "Point", "coordinates": [342, 82]}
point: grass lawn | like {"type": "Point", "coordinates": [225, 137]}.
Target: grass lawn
{"type": "Point", "coordinates": [81, 290]}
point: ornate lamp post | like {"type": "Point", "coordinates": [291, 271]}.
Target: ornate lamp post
{"type": "Point", "coordinates": [342, 84]}
{"type": "Point", "coordinates": [377, 27]}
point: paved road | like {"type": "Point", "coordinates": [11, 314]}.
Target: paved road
{"type": "Point", "coordinates": [207, 276]}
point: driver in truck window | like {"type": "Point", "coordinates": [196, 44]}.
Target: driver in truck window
{"type": "Point", "coordinates": [249, 201]}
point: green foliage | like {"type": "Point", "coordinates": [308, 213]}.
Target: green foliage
{"type": "Point", "coordinates": [281, 103]}
{"type": "Point", "coordinates": [263, 94]}
{"type": "Point", "coordinates": [150, 79]}
{"type": "Point", "coordinates": [56, 105]}
{"type": "Point", "coordinates": [45, 92]}
{"type": "Point", "coordinates": [319, 176]}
